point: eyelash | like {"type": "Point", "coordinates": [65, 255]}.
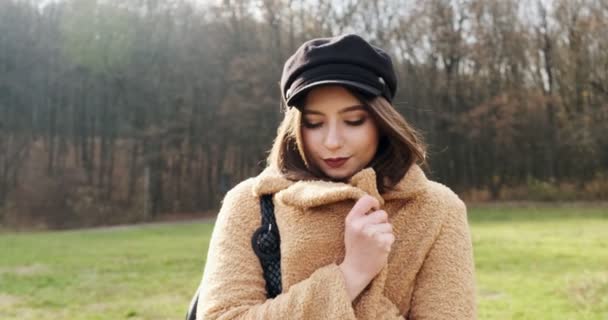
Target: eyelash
{"type": "Point", "coordinates": [350, 123]}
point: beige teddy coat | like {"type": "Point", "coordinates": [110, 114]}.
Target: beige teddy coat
{"type": "Point", "coordinates": [430, 273]}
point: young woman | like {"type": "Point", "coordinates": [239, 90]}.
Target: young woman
{"type": "Point", "coordinates": [363, 233]}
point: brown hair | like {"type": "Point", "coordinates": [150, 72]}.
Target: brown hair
{"type": "Point", "coordinates": [400, 145]}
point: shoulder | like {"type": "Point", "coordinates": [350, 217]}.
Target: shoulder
{"type": "Point", "coordinates": [248, 192]}
{"type": "Point", "coordinates": [241, 195]}
{"type": "Point", "coordinates": [443, 196]}
{"type": "Point", "coordinates": [443, 201]}
{"type": "Point", "coordinates": [245, 196]}
{"type": "Point", "coordinates": [240, 205]}
{"type": "Point", "coordinates": [243, 191]}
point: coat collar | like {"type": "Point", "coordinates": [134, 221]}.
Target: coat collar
{"type": "Point", "coordinates": [312, 193]}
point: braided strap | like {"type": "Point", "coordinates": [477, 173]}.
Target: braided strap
{"type": "Point", "coordinates": [266, 244]}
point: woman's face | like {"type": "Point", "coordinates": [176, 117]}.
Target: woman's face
{"type": "Point", "coordinates": [339, 136]}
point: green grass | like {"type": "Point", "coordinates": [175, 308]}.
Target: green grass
{"type": "Point", "coordinates": [123, 273]}
{"type": "Point", "coordinates": [531, 263]}
{"type": "Point", "coordinates": [541, 263]}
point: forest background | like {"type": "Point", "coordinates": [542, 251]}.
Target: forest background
{"type": "Point", "coordinates": [127, 111]}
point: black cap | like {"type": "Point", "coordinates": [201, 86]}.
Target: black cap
{"type": "Point", "coordinates": [347, 60]}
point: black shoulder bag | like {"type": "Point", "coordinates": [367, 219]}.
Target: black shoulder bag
{"type": "Point", "coordinates": [266, 243]}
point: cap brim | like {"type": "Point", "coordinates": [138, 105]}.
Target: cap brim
{"type": "Point", "coordinates": [295, 96]}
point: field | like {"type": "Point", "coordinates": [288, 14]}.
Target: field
{"type": "Point", "coordinates": [548, 262]}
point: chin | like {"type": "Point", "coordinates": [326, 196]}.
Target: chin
{"type": "Point", "coordinates": [340, 175]}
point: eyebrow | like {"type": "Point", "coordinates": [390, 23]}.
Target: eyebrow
{"type": "Point", "coordinates": [347, 109]}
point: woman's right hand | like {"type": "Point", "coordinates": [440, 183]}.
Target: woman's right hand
{"type": "Point", "coordinates": [368, 238]}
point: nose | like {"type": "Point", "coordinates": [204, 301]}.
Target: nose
{"type": "Point", "coordinates": [333, 138]}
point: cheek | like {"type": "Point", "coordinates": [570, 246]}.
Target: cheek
{"type": "Point", "coordinates": [367, 141]}
{"type": "Point", "coordinates": [309, 141]}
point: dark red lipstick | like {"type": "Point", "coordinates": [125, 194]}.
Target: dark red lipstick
{"type": "Point", "coordinates": [335, 162]}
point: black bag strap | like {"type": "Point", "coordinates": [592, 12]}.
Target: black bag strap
{"type": "Point", "coordinates": [191, 315]}
{"type": "Point", "coordinates": [266, 243]}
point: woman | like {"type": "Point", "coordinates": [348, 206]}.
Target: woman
{"type": "Point", "coordinates": [363, 233]}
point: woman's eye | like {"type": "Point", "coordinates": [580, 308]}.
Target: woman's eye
{"type": "Point", "coordinates": [312, 125]}
{"type": "Point", "coordinates": [356, 122]}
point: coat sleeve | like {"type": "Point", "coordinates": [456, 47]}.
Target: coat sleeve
{"type": "Point", "coordinates": [374, 304]}
{"type": "Point", "coordinates": [445, 285]}
{"type": "Point", "coordinates": [233, 286]}
{"type": "Point", "coordinates": [388, 310]}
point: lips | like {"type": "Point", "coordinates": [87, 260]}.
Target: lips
{"type": "Point", "coordinates": [335, 162]}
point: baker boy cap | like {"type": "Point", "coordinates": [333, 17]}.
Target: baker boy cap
{"type": "Point", "coordinates": [346, 60]}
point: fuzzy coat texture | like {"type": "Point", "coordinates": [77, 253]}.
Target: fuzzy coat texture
{"type": "Point", "coordinates": [430, 272]}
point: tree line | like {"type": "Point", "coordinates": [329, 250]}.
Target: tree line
{"type": "Point", "coordinates": [114, 111]}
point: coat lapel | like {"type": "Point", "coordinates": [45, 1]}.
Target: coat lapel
{"type": "Point", "coordinates": [314, 193]}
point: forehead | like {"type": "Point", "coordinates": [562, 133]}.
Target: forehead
{"type": "Point", "coordinates": [330, 99]}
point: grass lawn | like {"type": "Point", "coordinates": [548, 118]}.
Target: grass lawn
{"type": "Point", "coordinates": [532, 263]}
